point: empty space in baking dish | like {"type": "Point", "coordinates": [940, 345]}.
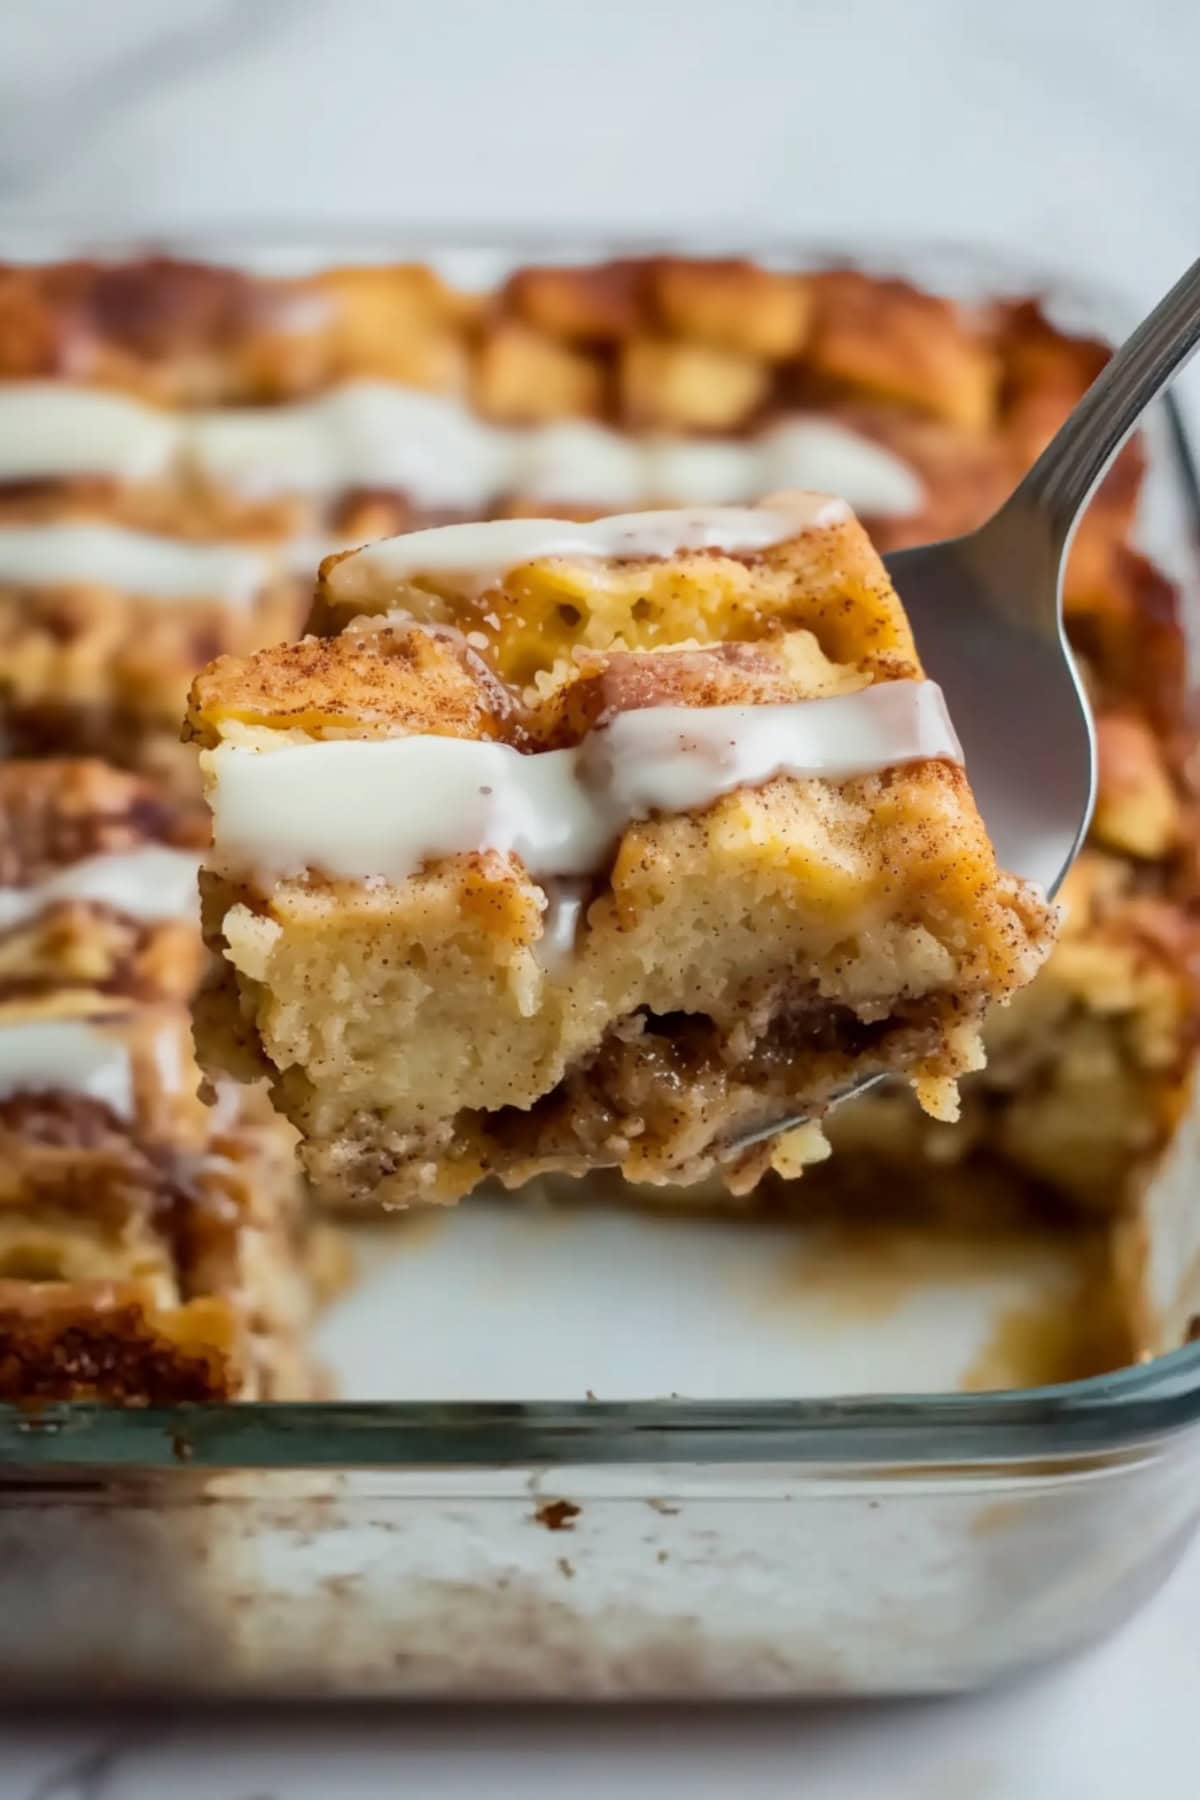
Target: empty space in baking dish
{"type": "Point", "coordinates": [519, 1298]}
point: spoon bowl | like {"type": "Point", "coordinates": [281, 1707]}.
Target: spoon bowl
{"type": "Point", "coordinates": [1013, 689]}
{"type": "Point", "coordinates": [986, 612]}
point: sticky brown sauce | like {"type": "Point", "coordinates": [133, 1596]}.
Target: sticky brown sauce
{"type": "Point", "coordinates": [1071, 1326]}
{"type": "Point", "coordinates": [1060, 1340]}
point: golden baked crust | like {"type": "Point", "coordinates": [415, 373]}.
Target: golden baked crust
{"type": "Point", "coordinates": [187, 333]}
{"type": "Point", "coordinates": [377, 684]}
{"type": "Point", "coordinates": [735, 962]}
{"type": "Point", "coordinates": [886, 338]}
{"type": "Point", "coordinates": [97, 1340]}
{"type": "Point", "coordinates": [822, 592]}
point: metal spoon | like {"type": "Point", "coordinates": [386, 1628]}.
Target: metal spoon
{"type": "Point", "coordinates": [986, 612]}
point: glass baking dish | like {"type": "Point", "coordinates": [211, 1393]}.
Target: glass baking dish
{"type": "Point", "coordinates": [650, 1548]}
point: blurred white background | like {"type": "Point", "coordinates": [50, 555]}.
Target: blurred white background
{"type": "Point", "coordinates": [1067, 128]}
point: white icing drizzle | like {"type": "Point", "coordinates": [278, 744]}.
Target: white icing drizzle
{"type": "Point", "coordinates": [709, 471]}
{"type": "Point", "coordinates": [488, 550]}
{"type": "Point", "coordinates": [49, 429]}
{"type": "Point", "coordinates": [75, 551]}
{"type": "Point", "coordinates": [71, 1056]}
{"type": "Point", "coordinates": [581, 462]}
{"type": "Point", "coordinates": [151, 882]}
{"type": "Point", "coordinates": [434, 448]}
{"type": "Point", "coordinates": [365, 434]}
{"type": "Point", "coordinates": [356, 808]}
{"type": "Point", "coordinates": [566, 902]}
{"type": "Point", "coordinates": [805, 453]}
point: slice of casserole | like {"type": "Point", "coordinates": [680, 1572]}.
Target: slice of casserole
{"type": "Point", "coordinates": [152, 1249]}
{"type": "Point", "coordinates": [595, 846]}
{"type": "Point", "coordinates": [97, 881]}
{"type": "Point", "coordinates": [102, 627]}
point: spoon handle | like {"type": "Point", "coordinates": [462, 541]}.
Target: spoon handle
{"type": "Point", "coordinates": [1064, 476]}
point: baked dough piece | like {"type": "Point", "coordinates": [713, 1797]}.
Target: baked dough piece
{"type": "Point", "coordinates": [595, 846]}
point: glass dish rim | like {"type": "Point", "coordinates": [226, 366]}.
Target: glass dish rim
{"type": "Point", "coordinates": [1122, 1411]}
{"type": "Point", "coordinates": [922, 1433]}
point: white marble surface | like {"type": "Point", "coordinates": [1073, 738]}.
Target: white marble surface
{"type": "Point", "coordinates": [1064, 129]}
